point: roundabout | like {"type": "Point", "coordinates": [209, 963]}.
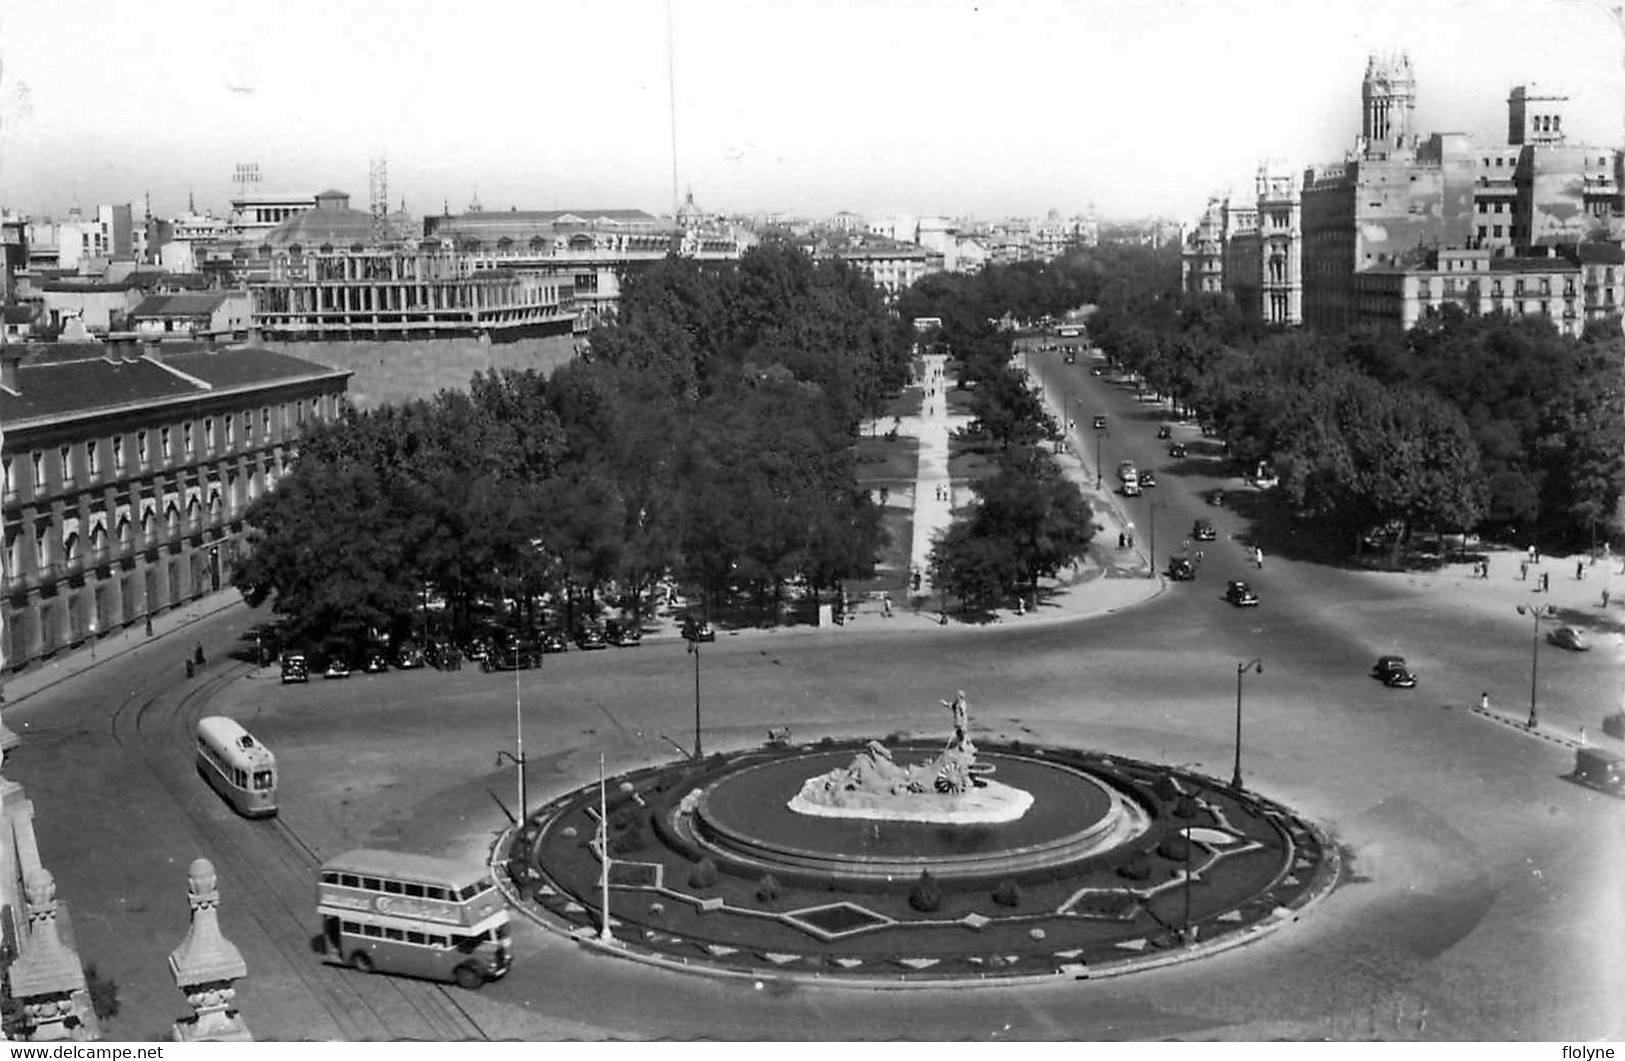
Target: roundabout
{"type": "Point", "coordinates": [717, 866]}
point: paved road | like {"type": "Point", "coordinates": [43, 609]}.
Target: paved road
{"type": "Point", "coordinates": [1483, 889]}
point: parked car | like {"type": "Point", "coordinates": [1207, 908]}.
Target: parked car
{"type": "Point", "coordinates": [1125, 469]}
{"type": "Point", "coordinates": [698, 630]}
{"type": "Point", "coordinates": [1204, 531]}
{"type": "Point", "coordinates": [1180, 569]}
{"type": "Point", "coordinates": [1164, 431]}
{"type": "Point", "coordinates": [1100, 422]}
{"type": "Point", "coordinates": [1392, 672]}
{"type": "Point", "coordinates": [1148, 479]}
{"type": "Point", "coordinates": [1601, 768]}
{"type": "Point", "coordinates": [553, 641]}
{"type": "Point", "coordinates": [1569, 637]}
{"type": "Point", "coordinates": [1215, 497]}
{"type": "Point", "coordinates": [623, 633]}
{"type": "Point", "coordinates": [294, 668]}
{"type": "Point", "coordinates": [1131, 487]}
{"type": "Point", "coordinates": [1177, 449]}
{"type": "Point", "coordinates": [410, 657]}
{"type": "Point", "coordinates": [337, 667]}
{"type": "Point", "coordinates": [589, 636]}
{"type": "Point", "coordinates": [1241, 595]}
{"type": "Point", "coordinates": [523, 655]}
{"type": "Point", "coordinates": [374, 661]}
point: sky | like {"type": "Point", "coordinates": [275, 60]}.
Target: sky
{"type": "Point", "coordinates": [985, 109]}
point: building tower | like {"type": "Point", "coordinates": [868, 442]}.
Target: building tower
{"type": "Point", "coordinates": [1388, 102]}
{"type": "Point", "coordinates": [1535, 116]}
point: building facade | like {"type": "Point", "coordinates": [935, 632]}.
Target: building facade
{"type": "Point", "coordinates": [127, 473]}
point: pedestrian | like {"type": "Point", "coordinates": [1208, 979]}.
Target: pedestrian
{"type": "Point", "coordinates": [1605, 596]}
{"type": "Point", "coordinates": [1523, 570]}
{"type": "Point", "coordinates": [1131, 539]}
{"type": "Point", "coordinates": [1579, 571]}
{"type": "Point", "coordinates": [1483, 701]}
{"type": "Point", "coordinates": [149, 625]}
{"type": "Point", "coordinates": [197, 654]}
{"type": "Point", "coordinates": [189, 668]}
{"type": "Point", "coordinates": [1545, 581]}
{"type": "Point", "coordinates": [1533, 556]}
{"type": "Point", "coordinates": [885, 605]}
{"type": "Point", "coordinates": [1122, 540]}
{"type": "Point", "coordinates": [1258, 557]}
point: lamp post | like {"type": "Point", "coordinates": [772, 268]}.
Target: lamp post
{"type": "Point", "coordinates": [1534, 613]}
{"type": "Point", "coordinates": [1151, 520]}
{"type": "Point", "coordinates": [518, 754]}
{"type": "Point", "coordinates": [694, 650]}
{"type": "Point", "coordinates": [1099, 433]}
{"type": "Point", "coordinates": [1256, 665]}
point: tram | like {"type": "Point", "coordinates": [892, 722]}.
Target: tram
{"type": "Point", "coordinates": [237, 766]}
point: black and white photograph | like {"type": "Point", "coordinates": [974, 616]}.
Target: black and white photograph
{"type": "Point", "coordinates": [865, 521]}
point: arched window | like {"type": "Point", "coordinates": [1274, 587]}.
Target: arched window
{"type": "Point", "coordinates": [70, 548]}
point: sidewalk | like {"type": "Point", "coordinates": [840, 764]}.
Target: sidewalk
{"type": "Point", "coordinates": [17, 688]}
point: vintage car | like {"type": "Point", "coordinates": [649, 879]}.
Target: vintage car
{"type": "Point", "coordinates": [1241, 595]}
{"type": "Point", "coordinates": [1392, 672]}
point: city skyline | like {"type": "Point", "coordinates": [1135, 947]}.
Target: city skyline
{"type": "Point", "coordinates": [808, 107]}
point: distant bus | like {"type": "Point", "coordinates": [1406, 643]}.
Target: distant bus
{"type": "Point", "coordinates": [1069, 331]}
{"type": "Point", "coordinates": [388, 912]}
{"type": "Point", "coordinates": [237, 766]}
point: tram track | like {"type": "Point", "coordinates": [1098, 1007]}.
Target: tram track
{"type": "Point", "coordinates": [272, 871]}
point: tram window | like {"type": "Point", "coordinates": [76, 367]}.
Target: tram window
{"type": "Point", "coordinates": [438, 893]}
{"type": "Point", "coordinates": [414, 937]}
{"type": "Point", "coordinates": [395, 934]}
{"type": "Point", "coordinates": [392, 887]}
{"type": "Point", "coordinates": [414, 891]}
{"type": "Point", "coordinates": [349, 880]}
{"type": "Point", "coordinates": [375, 931]}
{"type": "Point", "coordinates": [329, 877]}
{"type": "Point", "coordinates": [262, 780]}
{"type": "Point", "coordinates": [239, 778]}
{"type": "Point", "coordinates": [352, 928]}
{"type": "Point", "coordinates": [371, 884]}
{"type": "Point", "coordinates": [437, 941]}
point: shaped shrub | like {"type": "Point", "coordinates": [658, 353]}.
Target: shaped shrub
{"type": "Point", "coordinates": [1175, 848]}
{"type": "Point", "coordinates": [1137, 868]}
{"type": "Point", "coordinates": [768, 889]}
{"type": "Point", "coordinates": [1008, 893]}
{"type": "Point", "coordinates": [630, 839]}
{"type": "Point", "coordinates": [704, 875]}
{"type": "Point", "coordinates": [926, 895]}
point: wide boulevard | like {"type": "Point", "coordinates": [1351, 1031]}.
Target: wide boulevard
{"type": "Point", "coordinates": [1484, 893]}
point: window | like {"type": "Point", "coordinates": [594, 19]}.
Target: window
{"type": "Point", "coordinates": [231, 431]}
{"type": "Point", "coordinates": [92, 463]}
{"type": "Point", "coordinates": [118, 453]}
{"type": "Point", "coordinates": [10, 489]}
{"type": "Point", "coordinates": [265, 422]}
{"type": "Point", "coordinates": [208, 434]}
{"type": "Point", "coordinates": [141, 447]}
{"type": "Point", "coordinates": [187, 442]}
{"type": "Point", "coordinates": [66, 453]}
{"type": "Point", "coordinates": [1497, 231]}
{"type": "Point", "coordinates": [1500, 208]}
{"type": "Point", "coordinates": [163, 443]}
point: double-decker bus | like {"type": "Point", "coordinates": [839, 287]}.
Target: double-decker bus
{"type": "Point", "coordinates": [237, 766]}
{"type": "Point", "coordinates": [388, 912]}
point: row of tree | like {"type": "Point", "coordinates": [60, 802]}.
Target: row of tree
{"type": "Point", "coordinates": [707, 436]}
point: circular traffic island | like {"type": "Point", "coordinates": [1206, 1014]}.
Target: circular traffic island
{"type": "Point", "coordinates": [1043, 861]}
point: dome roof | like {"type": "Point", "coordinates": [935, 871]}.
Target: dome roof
{"type": "Point", "coordinates": [333, 223]}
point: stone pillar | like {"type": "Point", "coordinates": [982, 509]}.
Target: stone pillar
{"type": "Point", "coordinates": [46, 980]}
{"type": "Point", "coordinates": [206, 966]}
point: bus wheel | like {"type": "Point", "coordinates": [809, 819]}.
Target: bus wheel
{"type": "Point", "coordinates": [469, 978]}
{"type": "Point", "coordinates": [360, 962]}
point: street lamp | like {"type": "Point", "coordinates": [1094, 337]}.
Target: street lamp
{"type": "Point", "coordinates": [694, 650]}
{"type": "Point", "coordinates": [1099, 433]}
{"type": "Point", "coordinates": [1242, 668]}
{"type": "Point", "coordinates": [517, 756]}
{"type": "Point", "coordinates": [1151, 519]}
{"type": "Point", "coordinates": [1535, 613]}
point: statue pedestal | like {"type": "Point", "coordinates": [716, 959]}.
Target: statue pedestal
{"type": "Point", "coordinates": [985, 804]}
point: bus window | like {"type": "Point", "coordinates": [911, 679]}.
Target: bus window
{"type": "Point", "coordinates": [392, 887]}
{"type": "Point", "coordinates": [439, 893]}
{"type": "Point", "coordinates": [349, 880]}
{"type": "Point", "coordinates": [262, 780]}
{"type": "Point", "coordinates": [414, 937]}
{"type": "Point", "coordinates": [371, 884]}
{"type": "Point", "coordinates": [375, 931]}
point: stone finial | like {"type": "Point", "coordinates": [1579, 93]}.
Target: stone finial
{"type": "Point", "coordinates": [206, 966]}
{"type": "Point", "coordinates": [47, 978]}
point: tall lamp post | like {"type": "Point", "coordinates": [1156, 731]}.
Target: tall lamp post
{"type": "Point", "coordinates": [1151, 519]}
{"type": "Point", "coordinates": [694, 650]}
{"type": "Point", "coordinates": [518, 753]}
{"type": "Point", "coordinates": [1256, 665]}
{"type": "Point", "coordinates": [1536, 614]}
{"type": "Point", "coordinates": [1099, 433]}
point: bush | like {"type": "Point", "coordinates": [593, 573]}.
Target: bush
{"type": "Point", "coordinates": [926, 895]}
{"type": "Point", "coordinates": [1008, 893]}
{"type": "Point", "coordinates": [103, 994]}
{"type": "Point", "coordinates": [768, 889]}
{"type": "Point", "coordinates": [628, 840]}
{"type": "Point", "coordinates": [1175, 848]}
{"type": "Point", "coordinates": [1137, 868]}
{"type": "Point", "coordinates": [704, 875]}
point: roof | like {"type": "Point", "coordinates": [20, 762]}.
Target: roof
{"type": "Point", "coordinates": [337, 226]}
{"type": "Point", "coordinates": [19, 314]}
{"type": "Point", "coordinates": [190, 305]}
{"type": "Point", "coordinates": [1606, 253]}
{"type": "Point", "coordinates": [63, 379]}
{"type": "Point", "coordinates": [372, 862]}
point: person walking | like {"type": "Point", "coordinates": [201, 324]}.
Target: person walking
{"type": "Point", "coordinates": [1579, 570]}
{"type": "Point", "coordinates": [1258, 557]}
{"type": "Point", "coordinates": [1545, 581]}
{"type": "Point", "coordinates": [1523, 570]}
{"type": "Point", "coordinates": [1483, 701]}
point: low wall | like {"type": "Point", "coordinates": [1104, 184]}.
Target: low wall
{"type": "Point", "coordinates": [402, 370]}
